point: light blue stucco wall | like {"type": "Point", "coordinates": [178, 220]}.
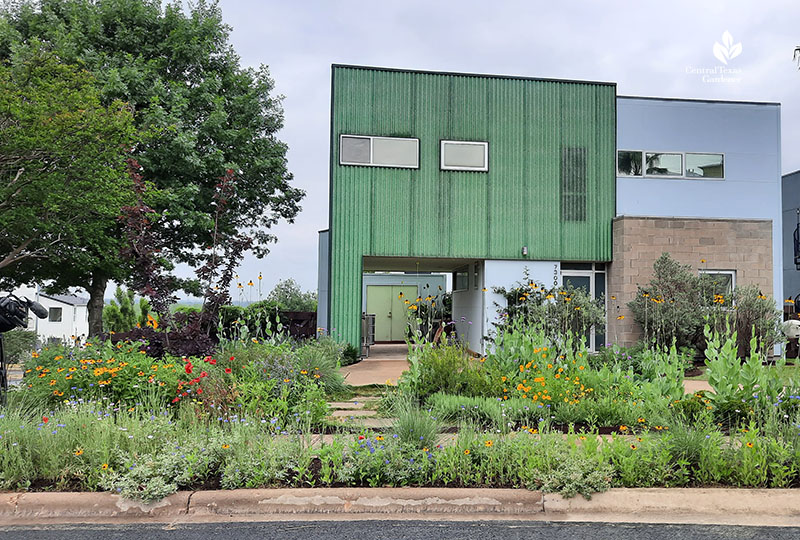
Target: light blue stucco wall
{"type": "Point", "coordinates": [748, 134]}
{"type": "Point", "coordinates": [323, 296]}
{"type": "Point", "coordinates": [791, 203]}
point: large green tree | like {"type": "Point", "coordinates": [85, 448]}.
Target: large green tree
{"type": "Point", "coordinates": [198, 110]}
{"type": "Point", "coordinates": [63, 178]}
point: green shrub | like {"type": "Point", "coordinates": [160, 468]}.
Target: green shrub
{"type": "Point", "coordinates": [120, 373]}
{"type": "Point", "coordinates": [18, 345]}
{"type": "Point", "coordinates": [559, 311]}
{"type": "Point", "coordinates": [447, 368]}
{"type": "Point", "coordinates": [674, 304]}
{"type": "Point", "coordinates": [123, 313]}
{"type": "Point", "coordinates": [414, 427]}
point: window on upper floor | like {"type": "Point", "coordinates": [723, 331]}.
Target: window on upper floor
{"type": "Point", "coordinates": [629, 163]}
{"type": "Point", "coordinates": [369, 151]}
{"type": "Point", "coordinates": [465, 156]}
{"type": "Point", "coordinates": [663, 164]}
{"type": "Point", "coordinates": [670, 164]}
{"type": "Point", "coordinates": [705, 165]}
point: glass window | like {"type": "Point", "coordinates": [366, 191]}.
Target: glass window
{"type": "Point", "coordinates": [461, 279]}
{"type": "Point", "coordinates": [379, 151]}
{"type": "Point", "coordinates": [465, 156]}
{"type": "Point", "coordinates": [395, 152]}
{"type": "Point", "coordinates": [355, 150]}
{"type": "Point", "coordinates": [54, 314]}
{"type": "Point", "coordinates": [629, 163]}
{"type": "Point", "coordinates": [475, 276]}
{"type": "Point", "coordinates": [725, 280]}
{"type": "Point", "coordinates": [705, 166]}
{"type": "Point", "coordinates": [661, 164]}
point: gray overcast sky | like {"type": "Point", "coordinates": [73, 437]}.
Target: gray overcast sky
{"type": "Point", "coordinates": [645, 47]}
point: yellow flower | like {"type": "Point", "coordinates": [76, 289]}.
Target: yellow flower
{"type": "Point", "coordinates": [78, 452]}
{"type": "Point", "coordinates": [623, 428]}
{"type": "Point", "coordinates": [466, 452]}
{"type": "Point", "coordinates": [225, 446]}
{"type": "Point", "coordinates": [488, 444]}
{"type": "Point", "coordinates": [379, 438]}
{"type": "Point", "coordinates": [620, 317]}
{"type": "Point", "coordinates": [633, 447]}
{"type": "Point", "coordinates": [104, 466]}
{"type": "Point", "coordinates": [749, 445]}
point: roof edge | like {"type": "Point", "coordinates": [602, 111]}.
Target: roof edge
{"type": "Point", "coordinates": [477, 75]}
{"type": "Point", "coordinates": [699, 100]}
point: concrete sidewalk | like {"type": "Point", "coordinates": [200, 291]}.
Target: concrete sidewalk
{"type": "Point", "coordinates": [761, 507]}
{"type": "Point", "coordinates": [386, 362]}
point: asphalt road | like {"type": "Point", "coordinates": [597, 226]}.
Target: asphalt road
{"type": "Point", "coordinates": [395, 530]}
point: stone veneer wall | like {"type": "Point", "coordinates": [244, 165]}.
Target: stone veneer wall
{"type": "Point", "coordinates": [744, 245]}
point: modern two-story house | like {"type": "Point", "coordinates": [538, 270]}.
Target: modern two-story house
{"type": "Point", "coordinates": [489, 177]}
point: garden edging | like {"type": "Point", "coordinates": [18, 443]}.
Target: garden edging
{"type": "Point", "coordinates": [780, 507]}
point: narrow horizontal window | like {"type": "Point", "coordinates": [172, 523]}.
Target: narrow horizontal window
{"type": "Point", "coordinates": [465, 156]}
{"type": "Point", "coordinates": [379, 151]}
{"type": "Point", "coordinates": [705, 166]}
{"type": "Point", "coordinates": [663, 164]}
{"type": "Point", "coordinates": [629, 163]}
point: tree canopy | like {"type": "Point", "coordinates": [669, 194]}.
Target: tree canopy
{"type": "Point", "coordinates": [198, 112]}
{"type": "Point", "coordinates": [62, 169]}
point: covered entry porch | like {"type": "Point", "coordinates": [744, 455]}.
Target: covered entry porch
{"type": "Point", "coordinates": [397, 288]}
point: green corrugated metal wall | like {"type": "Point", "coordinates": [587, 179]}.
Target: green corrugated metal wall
{"type": "Point", "coordinates": [427, 212]}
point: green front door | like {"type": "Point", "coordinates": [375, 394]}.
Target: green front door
{"type": "Point", "coordinates": [390, 309]}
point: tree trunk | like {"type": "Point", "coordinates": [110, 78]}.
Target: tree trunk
{"type": "Point", "coordinates": [97, 291]}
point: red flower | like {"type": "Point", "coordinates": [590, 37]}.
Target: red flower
{"type": "Point", "coordinates": [45, 419]}
{"type": "Point", "coordinates": [213, 361]}
{"type": "Point", "coordinates": [203, 374]}
{"type": "Point", "coordinates": [228, 370]}
{"type": "Point", "coordinates": [360, 437]}
{"type": "Point", "coordinates": [199, 390]}
{"type": "Point", "coordinates": [188, 368]}
{"type": "Point", "coordinates": [177, 399]}
{"type": "Point", "coordinates": [206, 359]}
{"type": "Point", "coordinates": [232, 358]}
{"type": "Point", "coordinates": [184, 394]}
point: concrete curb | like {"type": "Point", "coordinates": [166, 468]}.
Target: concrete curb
{"type": "Point", "coordinates": [386, 501]}
{"type": "Point", "coordinates": [779, 507]}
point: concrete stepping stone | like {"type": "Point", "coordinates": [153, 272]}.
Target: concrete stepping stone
{"type": "Point", "coordinates": [353, 412]}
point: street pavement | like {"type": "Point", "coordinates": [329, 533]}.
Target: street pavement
{"type": "Point", "coordinates": [398, 530]}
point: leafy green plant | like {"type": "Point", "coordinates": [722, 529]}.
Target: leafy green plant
{"type": "Point", "coordinates": [414, 427]}
{"type": "Point", "coordinates": [123, 313]}
{"type": "Point", "coordinates": [18, 345]}
{"type": "Point", "coordinates": [741, 388]}
{"type": "Point", "coordinates": [559, 311]}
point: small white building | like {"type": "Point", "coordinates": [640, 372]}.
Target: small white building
{"type": "Point", "coordinates": [67, 315]}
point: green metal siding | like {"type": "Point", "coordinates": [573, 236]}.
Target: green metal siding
{"type": "Point", "coordinates": [426, 212]}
